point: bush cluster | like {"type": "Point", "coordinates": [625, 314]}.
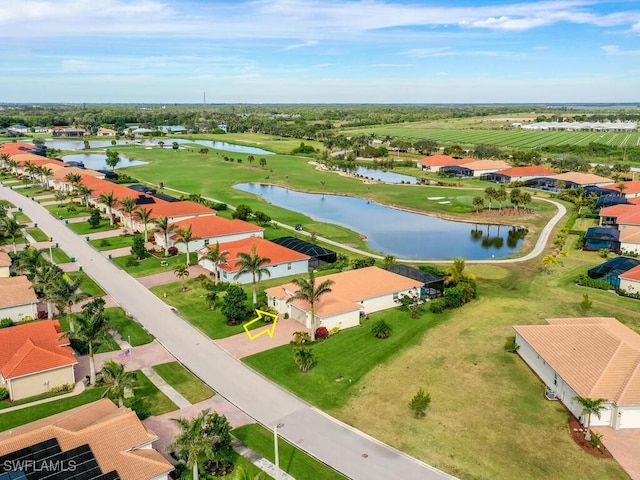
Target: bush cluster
{"type": "Point", "coordinates": [585, 281]}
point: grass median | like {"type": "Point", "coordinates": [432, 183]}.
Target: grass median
{"type": "Point", "coordinates": [185, 382]}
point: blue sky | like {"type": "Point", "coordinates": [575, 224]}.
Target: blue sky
{"type": "Point", "coordinates": [326, 51]}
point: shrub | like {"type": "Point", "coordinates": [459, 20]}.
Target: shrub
{"type": "Point", "coordinates": [437, 306]}
{"type": "Point", "coordinates": [105, 242]}
{"type": "Point", "coordinates": [6, 322]}
{"type": "Point", "coordinates": [586, 281]}
{"type": "Point", "coordinates": [301, 338]}
{"type": "Point", "coordinates": [4, 393]}
{"type": "Point", "coordinates": [216, 468]}
{"type": "Point", "coordinates": [94, 218]}
{"type": "Point", "coordinates": [172, 251]}
{"type": "Point", "coordinates": [141, 406]}
{"type": "Point", "coordinates": [453, 297]}
{"type": "Point", "coordinates": [381, 329]}
{"type": "Point", "coordinates": [304, 359]}
{"type": "Point", "coordinates": [419, 403]}
{"type": "Point", "coordinates": [510, 344]}
{"type": "Point", "coordinates": [322, 333]}
{"type": "Point", "coordinates": [333, 331]}
{"type": "Point", "coordinates": [26, 319]}
{"type": "Point", "coordinates": [132, 262]}
{"type": "Point", "coordinates": [596, 441]}
{"type": "Point", "coordinates": [286, 315]}
{"type": "Point", "coordinates": [219, 206]}
{"type": "Point", "coordinates": [62, 388]}
{"type": "Point", "coordinates": [42, 314]}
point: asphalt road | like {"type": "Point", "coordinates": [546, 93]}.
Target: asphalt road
{"type": "Point", "coordinates": [349, 451]}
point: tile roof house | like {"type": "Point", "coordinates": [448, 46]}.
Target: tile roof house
{"type": "Point", "coordinates": [630, 240]}
{"type": "Point", "coordinates": [435, 162]}
{"type": "Point", "coordinates": [353, 293]}
{"type": "Point", "coordinates": [283, 261]}
{"type": "Point", "coordinates": [573, 179]}
{"type": "Point", "coordinates": [631, 190]}
{"type": "Point", "coordinates": [477, 168]}
{"type": "Point", "coordinates": [590, 357]}
{"type": "Point", "coordinates": [18, 299]}
{"type": "Point", "coordinates": [210, 229]}
{"type": "Point", "coordinates": [114, 443]}
{"type": "Point", "coordinates": [620, 216]}
{"type": "Point", "coordinates": [5, 264]}
{"type": "Point", "coordinates": [34, 359]}
{"type": "Point", "coordinates": [630, 280]}
{"type": "Point", "coordinates": [106, 132]}
{"type": "Point", "coordinates": [517, 174]}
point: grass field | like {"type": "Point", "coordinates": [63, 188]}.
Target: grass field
{"type": "Point", "coordinates": [63, 211]}
{"type": "Point", "coordinates": [20, 217]}
{"type": "Point", "coordinates": [157, 401]}
{"type": "Point", "coordinates": [37, 234]}
{"type": "Point", "coordinates": [185, 382]}
{"type": "Point", "coordinates": [129, 329]}
{"type": "Point", "coordinates": [87, 284]}
{"type": "Point", "coordinates": [292, 460]}
{"type": "Point", "coordinates": [112, 242]}
{"type": "Point", "coordinates": [59, 256]}
{"type": "Point", "coordinates": [83, 228]}
{"type": "Point", "coordinates": [152, 265]}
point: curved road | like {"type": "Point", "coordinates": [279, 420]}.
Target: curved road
{"type": "Point", "coordinates": [347, 450]}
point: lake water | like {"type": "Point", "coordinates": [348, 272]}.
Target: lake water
{"type": "Point", "coordinates": [378, 174]}
{"type": "Point", "coordinates": [66, 144]}
{"type": "Point", "coordinates": [97, 161]}
{"type": "Point", "coordinates": [396, 232]}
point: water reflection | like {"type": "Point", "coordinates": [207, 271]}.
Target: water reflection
{"type": "Point", "coordinates": [377, 174]}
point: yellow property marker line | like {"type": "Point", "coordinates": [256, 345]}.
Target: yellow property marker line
{"type": "Point", "coordinates": [268, 331]}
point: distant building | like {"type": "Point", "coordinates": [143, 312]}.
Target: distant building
{"type": "Point", "coordinates": [106, 132]}
{"type": "Point", "coordinates": [18, 300]}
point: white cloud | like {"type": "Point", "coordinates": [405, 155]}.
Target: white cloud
{"type": "Point", "coordinates": [392, 65]}
{"type": "Point", "coordinates": [308, 43]}
{"type": "Point", "coordinates": [615, 50]}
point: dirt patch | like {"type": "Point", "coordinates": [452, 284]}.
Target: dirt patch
{"type": "Point", "coordinates": [578, 432]}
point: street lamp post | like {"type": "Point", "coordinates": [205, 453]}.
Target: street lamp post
{"type": "Point", "coordinates": [275, 448]}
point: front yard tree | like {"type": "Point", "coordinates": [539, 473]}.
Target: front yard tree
{"type": "Point", "coordinates": [192, 443]}
{"type": "Point", "coordinates": [108, 199]}
{"type": "Point", "coordinates": [590, 407]}
{"type": "Point", "coordinates": [412, 302]}
{"type": "Point", "coordinates": [94, 218]}
{"type": "Point", "coordinates": [138, 249]}
{"type": "Point", "coordinates": [164, 228]}
{"type": "Point", "coordinates": [128, 205]}
{"type": "Point", "coordinates": [304, 358]}
{"type": "Point", "coordinates": [182, 272]}
{"type": "Point", "coordinates": [185, 235]}
{"type": "Point", "coordinates": [117, 380]}
{"type": "Point", "coordinates": [65, 294]}
{"type": "Point", "coordinates": [419, 403]}
{"type": "Point", "coordinates": [311, 293]}
{"type": "Point", "coordinates": [254, 264]}
{"type": "Point", "coordinates": [143, 215]}
{"type": "Point", "coordinates": [233, 305]}
{"type": "Point", "coordinates": [218, 257]}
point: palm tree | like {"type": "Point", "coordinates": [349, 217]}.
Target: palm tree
{"type": "Point", "coordinates": [192, 441]}
{"type": "Point", "coordinates": [478, 204]}
{"type": "Point", "coordinates": [254, 264]}
{"type": "Point", "coordinates": [128, 205]}
{"type": "Point", "coordinates": [29, 261]}
{"type": "Point", "coordinates": [13, 229]}
{"type": "Point", "coordinates": [490, 195]}
{"type": "Point", "coordinates": [185, 235]}
{"type": "Point", "coordinates": [217, 257]}
{"type": "Point", "coordinates": [84, 192]}
{"type": "Point", "coordinates": [45, 172]}
{"type": "Point", "coordinates": [304, 359]}
{"type": "Point", "coordinates": [44, 282]}
{"type": "Point", "coordinates": [182, 272]}
{"type": "Point", "coordinates": [501, 195]}
{"type": "Point", "coordinates": [590, 406]}
{"type": "Point", "coordinates": [4, 159]}
{"type": "Point", "coordinates": [311, 293]}
{"type": "Point", "coordinates": [143, 215]}
{"type": "Point", "coordinates": [92, 329]}
{"type": "Point", "coordinates": [455, 273]}
{"type": "Point", "coordinates": [117, 380]}
{"type": "Point", "coordinates": [65, 294]}
{"type": "Point", "coordinates": [164, 228]}
{"type": "Point", "coordinates": [30, 168]}
{"type": "Point", "coordinates": [108, 199]}
{"type": "Point", "coordinates": [13, 165]}
{"type": "Point", "coordinates": [73, 178]}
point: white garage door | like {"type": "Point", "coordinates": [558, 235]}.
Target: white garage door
{"type": "Point", "coordinates": [630, 417]}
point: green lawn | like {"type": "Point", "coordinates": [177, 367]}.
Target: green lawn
{"type": "Point", "coordinates": [129, 329]}
{"type": "Point", "coordinates": [30, 414]}
{"type": "Point", "coordinates": [158, 402]}
{"type": "Point", "coordinates": [292, 460]}
{"type": "Point", "coordinates": [185, 382]}
{"type": "Point", "coordinates": [87, 284]}
{"type": "Point", "coordinates": [192, 307]}
{"type": "Point", "coordinates": [32, 191]}
{"type": "Point", "coordinates": [151, 265]}
{"type": "Point", "coordinates": [63, 211]}
{"type": "Point", "coordinates": [83, 228]}
{"type": "Point", "coordinates": [37, 234]}
{"type": "Point", "coordinates": [112, 242]}
{"type": "Point", "coordinates": [21, 217]}
{"type": "Point", "coordinates": [59, 256]}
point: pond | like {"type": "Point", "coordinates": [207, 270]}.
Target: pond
{"type": "Point", "coordinates": [397, 232]}
{"type": "Point", "coordinates": [66, 144]}
{"type": "Point", "coordinates": [377, 174]}
{"type": "Point", "coordinates": [97, 161]}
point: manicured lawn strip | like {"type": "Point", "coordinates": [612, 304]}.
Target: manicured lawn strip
{"type": "Point", "coordinates": [152, 265]}
{"type": "Point", "coordinates": [33, 191]}
{"type": "Point", "coordinates": [59, 256]}
{"type": "Point", "coordinates": [83, 228]}
{"type": "Point", "coordinates": [112, 242]}
{"type": "Point", "coordinates": [185, 382]}
{"type": "Point", "coordinates": [6, 203]}
{"type": "Point", "coordinates": [37, 234]}
{"type": "Point", "coordinates": [348, 356]}
{"type": "Point", "coordinates": [7, 403]}
{"type": "Point", "coordinates": [87, 284]}
{"type": "Point", "coordinates": [62, 210]}
{"type": "Point", "coordinates": [157, 401]}
{"type": "Point", "coordinates": [30, 414]}
{"type": "Point", "coordinates": [21, 217]}
{"type": "Point", "coordinates": [129, 329]}
{"type": "Point", "coordinates": [292, 460]}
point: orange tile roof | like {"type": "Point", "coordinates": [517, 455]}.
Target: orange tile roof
{"type": "Point", "coordinates": [617, 210]}
{"type": "Point", "coordinates": [633, 274]}
{"type": "Point", "coordinates": [598, 357]}
{"type": "Point", "coordinates": [35, 159]}
{"type": "Point", "coordinates": [526, 171]}
{"type": "Point", "coordinates": [349, 288]}
{"type": "Point", "coordinates": [33, 347]}
{"type": "Point", "coordinates": [582, 178]}
{"type": "Point", "coordinates": [486, 165]}
{"type": "Point", "coordinates": [15, 148]}
{"type": "Point", "coordinates": [214, 226]}
{"type": "Point", "coordinates": [443, 160]}
{"type": "Point", "coordinates": [179, 209]}
{"type": "Point", "coordinates": [61, 170]}
{"type": "Point", "coordinates": [276, 253]}
{"type": "Point", "coordinates": [630, 235]}
{"type": "Point", "coordinates": [115, 435]}
{"type": "Point", "coordinates": [631, 217]}
{"type": "Point", "coordinates": [5, 259]}
{"type": "Point", "coordinates": [16, 291]}
{"type": "Point", "coordinates": [631, 187]}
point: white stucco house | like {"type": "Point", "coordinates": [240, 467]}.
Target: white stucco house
{"type": "Point", "coordinates": [630, 280]}
{"type": "Point", "coordinates": [18, 300]}
{"type": "Point", "coordinates": [589, 357]}
{"type": "Point", "coordinates": [353, 293]}
{"type": "Point", "coordinates": [282, 261]}
{"type": "Point", "coordinates": [5, 264]}
{"type": "Point", "coordinates": [630, 239]}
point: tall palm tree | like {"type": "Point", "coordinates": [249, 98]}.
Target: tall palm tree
{"type": "Point", "coordinates": [589, 407]}
{"type": "Point", "coordinates": [30, 168]}
{"type": "Point", "coordinates": [44, 282]}
{"type": "Point", "coordinates": [128, 205]}
{"type": "Point", "coordinates": [182, 272]}
{"type": "Point", "coordinates": [84, 192]}
{"type": "Point", "coordinates": [490, 195]}
{"type": "Point", "coordinates": [13, 165]}
{"type": "Point", "coordinates": [92, 329]}
{"type": "Point", "coordinates": [218, 257]}
{"type": "Point", "coordinates": [29, 261]}
{"type": "Point", "coordinates": [143, 215]}
{"type": "Point", "coordinates": [13, 229]}
{"type": "Point", "coordinates": [185, 235]}
{"type": "Point", "coordinates": [455, 272]}
{"type": "Point", "coordinates": [164, 228]}
{"type": "Point", "coordinates": [73, 178]}
{"type": "Point", "coordinates": [65, 294]}
{"type": "Point", "coordinates": [253, 263]}
{"type": "Point", "coordinates": [311, 293]}
{"type": "Point", "coordinates": [192, 442]}
{"type": "Point", "coordinates": [4, 159]}
{"type": "Point", "coordinates": [45, 172]}
{"type": "Point", "coordinates": [501, 195]}
{"type": "Point", "coordinates": [108, 199]}
{"type": "Point", "coordinates": [117, 380]}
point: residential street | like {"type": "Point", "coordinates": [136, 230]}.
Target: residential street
{"type": "Point", "coordinates": [347, 450]}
